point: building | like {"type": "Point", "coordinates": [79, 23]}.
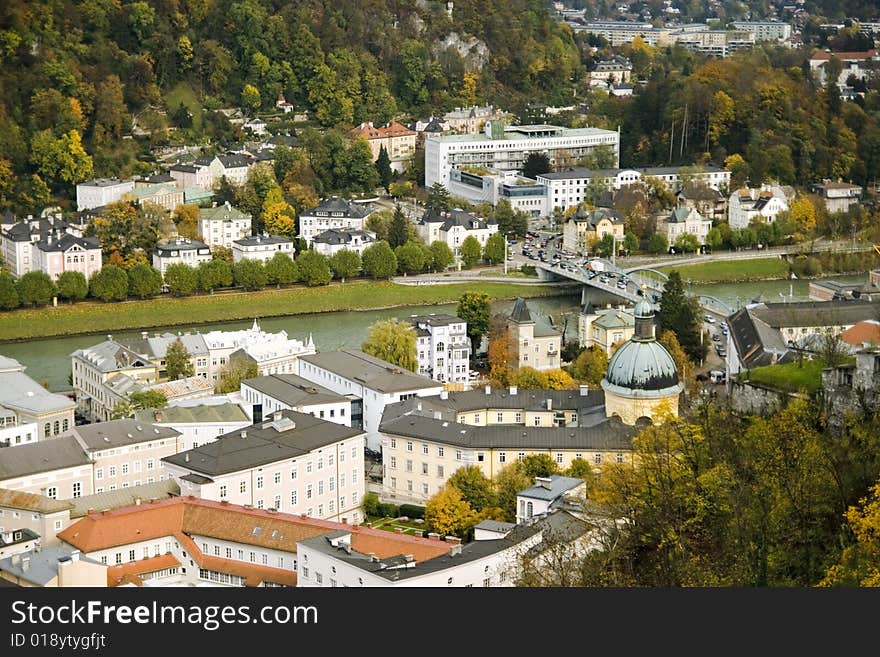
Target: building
{"type": "Point", "coordinates": [605, 327]}
{"type": "Point", "coordinates": [332, 213]}
{"type": "Point", "coordinates": [480, 185]}
{"type": "Point", "coordinates": [398, 140]}
{"type": "Point", "coordinates": [709, 202]}
{"type": "Point", "coordinates": [261, 247]}
{"type": "Point", "coordinates": [164, 195]}
{"type": "Point", "coordinates": [198, 424]}
{"type": "Point", "coordinates": [615, 69]}
{"type": "Point", "coordinates": [684, 221]}
{"type": "Point", "coordinates": [763, 204]}
{"type": "Point", "coordinates": [431, 126]}
{"type": "Point", "coordinates": [18, 434]}
{"type": "Point", "coordinates": [222, 225]}
{"type": "Point", "coordinates": [862, 335]}
{"type": "Point", "coordinates": [531, 344]}
{"type": "Point", "coordinates": [25, 402]}
{"type": "Point", "coordinates": [641, 382]}
{"type": "Point", "coordinates": [828, 290]}
{"type": "Point", "coordinates": [442, 347]}
{"type": "Point", "coordinates": [30, 512]}
{"type": "Point", "coordinates": [47, 244]}
{"type": "Point", "coordinates": [18, 541]}
{"type": "Point", "coordinates": [101, 191]}
{"type": "Point", "coordinates": [207, 171]}
{"type": "Point", "coordinates": [265, 395]}
{"type": "Point", "coordinates": [369, 382]}
{"type": "Point", "coordinates": [58, 253]}
{"type": "Point", "coordinates": [181, 251]}
{"type": "Point", "coordinates": [540, 498]}
{"type": "Point", "coordinates": [854, 387]}
{"type": "Point", "coordinates": [331, 242]}
{"type": "Point", "coordinates": [53, 567]}
{"type": "Point", "coordinates": [765, 30]}
{"type": "Point", "coordinates": [59, 469]}
{"type": "Point", "coordinates": [859, 65]}
{"type": "Point", "coordinates": [506, 148]}
{"type": "Point", "coordinates": [290, 461]}
{"type": "Point", "coordinates": [838, 196]}
{"type": "Point", "coordinates": [581, 230]}
{"type": "Point", "coordinates": [453, 228]}
{"type": "Point", "coordinates": [472, 120]}
{"type": "Point", "coordinates": [183, 389]}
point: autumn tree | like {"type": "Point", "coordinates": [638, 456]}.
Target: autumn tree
{"type": "Point", "coordinates": [802, 214]}
{"type": "Point", "coordinates": [392, 340]}
{"type": "Point", "coordinates": [508, 482]}
{"type": "Point", "coordinates": [681, 315]}
{"type": "Point", "coordinates": [35, 288]}
{"type": "Point", "coordinates": [528, 378]}
{"type": "Point", "coordinates": [495, 248]}
{"type": "Point", "coordinates": [233, 373]}
{"type": "Point", "coordinates": [590, 366]}
{"type": "Point", "coordinates": [859, 562]}
{"type": "Point", "coordinates": [476, 488]}
{"type": "Point", "coordinates": [448, 514]}
{"type": "Point", "coordinates": [178, 361]}
{"type": "Point", "coordinates": [559, 379]}
{"type": "Point", "coordinates": [187, 219]}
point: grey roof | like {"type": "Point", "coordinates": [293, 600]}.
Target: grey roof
{"type": "Point", "coordinates": [253, 240]}
{"type": "Point", "coordinates": [42, 456]}
{"type": "Point", "coordinates": [201, 413]}
{"type": "Point", "coordinates": [372, 372]}
{"type": "Point", "coordinates": [197, 479]}
{"type": "Point", "coordinates": [642, 368]}
{"type": "Point", "coordinates": [559, 485]}
{"type": "Point", "coordinates": [163, 250]}
{"type": "Point", "coordinates": [495, 526]}
{"type": "Point", "coordinates": [287, 435]}
{"type": "Point", "coordinates": [338, 206]}
{"type": "Point", "coordinates": [609, 434]}
{"type": "Point", "coordinates": [156, 346]}
{"type": "Point", "coordinates": [103, 182]}
{"type": "Point", "coordinates": [109, 355]}
{"type": "Point", "coordinates": [222, 212]}
{"type": "Point", "coordinates": [123, 497]}
{"type": "Point", "coordinates": [432, 217]}
{"type": "Point", "coordinates": [42, 565]}
{"type": "Point", "coordinates": [184, 168]}
{"type": "Point", "coordinates": [19, 535]}
{"type": "Point", "coordinates": [593, 217]}
{"type": "Point", "coordinates": [293, 390]}
{"type": "Point", "coordinates": [337, 236]}
{"type": "Point", "coordinates": [464, 219]}
{"type": "Point", "coordinates": [66, 241]}
{"type": "Point", "coordinates": [435, 319]}
{"type": "Point", "coordinates": [120, 433]}
{"type": "Point", "coordinates": [25, 231]}
{"type": "Point", "coordinates": [18, 391]}
{"type": "Point", "coordinates": [680, 215]}
{"type": "Point", "coordinates": [19, 499]}
{"type": "Point", "coordinates": [162, 177]}
{"type": "Point", "coordinates": [520, 313]}
{"type": "Point", "coordinates": [815, 313]}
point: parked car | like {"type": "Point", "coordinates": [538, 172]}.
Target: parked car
{"type": "Point", "coordinates": [710, 319]}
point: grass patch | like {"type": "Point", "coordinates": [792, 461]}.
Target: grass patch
{"type": "Point", "coordinates": [95, 317]}
{"type": "Point", "coordinates": [392, 525]}
{"type": "Point", "coordinates": [790, 377]}
{"type": "Point", "coordinates": [183, 92]}
{"type": "Point", "coordinates": [732, 271]}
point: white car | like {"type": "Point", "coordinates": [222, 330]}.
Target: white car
{"type": "Point", "coordinates": [710, 319]}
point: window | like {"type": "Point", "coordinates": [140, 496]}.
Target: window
{"type": "Point", "coordinates": [332, 484]}
{"type": "Point", "coordinates": [440, 452]}
{"type": "Point", "coordinates": [277, 503]}
{"type": "Point", "coordinates": [320, 463]}
{"type": "Point", "coordinates": [393, 482]}
{"type": "Point", "coordinates": [52, 492]}
{"type": "Point", "coordinates": [320, 510]}
{"type": "Point", "coordinates": [409, 465]}
{"type": "Point", "coordinates": [559, 457]}
{"type": "Point", "coordinates": [124, 468]}
{"type": "Point", "coordinates": [216, 550]}
{"type": "Point", "coordinates": [104, 560]}
{"type": "Point", "coordinates": [321, 487]}
{"type": "Point", "coordinates": [619, 457]}
{"type": "Point", "coordinates": [259, 483]}
{"type": "Point", "coordinates": [392, 463]}
{"type": "Point", "coordinates": [150, 464]}
{"type": "Point", "coordinates": [409, 485]}
{"type": "Point", "coordinates": [319, 578]}
{"type": "Point", "coordinates": [99, 473]}
{"type": "Point", "coordinates": [137, 466]}
{"type": "Point", "coordinates": [228, 553]}
{"type": "Point", "coordinates": [536, 421]}
{"type": "Point", "coordinates": [354, 452]}
{"type": "Point", "coordinates": [424, 468]}
{"type": "Point", "coordinates": [330, 461]}
{"type": "Point", "coordinates": [77, 489]}
{"type": "Point", "coordinates": [293, 498]}
{"type": "Point", "coordinates": [293, 474]}
{"type": "Point", "coordinates": [458, 455]}
{"type": "Point", "coordinates": [424, 489]}
{"type": "Point", "coordinates": [481, 457]}
{"type": "Point", "coordinates": [393, 443]}
{"type": "Point", "coordinates": [305, 573]}
{"type": "Point", "coordinates": [440, 471]}
{"type": "Point", "coordinates": [277, 478]}
{"type": "Point", "coordinates": [502, 457]}
{"type": "Point", "coordinates": [308, 491]}
{"type": "Point", "coordinates": [341, 503]}
{"type": "Point", "coordinates": [111, 471]}
{"type": "Point", "coordinates": [520, 456]}
{"type": "Point", "coordinates": [308, 466]}
{"type": "Point", "coordinates": [499, 418]}
{"type": "Point", "coordinates": [425, 448]}
{"type": "Point", "coordinates": [47, 430]}
{"type": "Point", "coordinates": [223, 491]}
{"type": "Point", "coordinates": [118, 558]}
{"type": "Point", "coordinates": [597, 458]}
{"type": "Point", "coordinates": [409, 446]}
{"type": "Point", "coordinates": [131, 555]}
{"type": "Point", "coordinates": [242, 487]}
{"type": "Point", "coordinates": [253, 557]}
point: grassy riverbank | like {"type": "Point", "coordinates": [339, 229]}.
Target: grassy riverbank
{"type": "Point", "coordinates": [732, 271]}
{"type": "Point", "coordinates": [96, 317]}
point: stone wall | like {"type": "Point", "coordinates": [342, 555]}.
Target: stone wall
{"type": "Point", "coordinates": [753, 399]}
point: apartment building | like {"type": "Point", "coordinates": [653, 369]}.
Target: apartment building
{"type": "Point", "coordinates": [442, 347]}
{"type": "Point", "coordinates": [197, 424]}
{"type": "Point", "coordinates": [24, 402]}
{"type": "Point", "coordinates": [531, 343]}
{"type": "Point", "coordinates": [333, 213]}
{"type": "Point", "coordinates": [101, 191]}
{"type": "Point", "coordinates": [261, 247]}
{"type": "Point", "coordinates": [265, 395]}
{"type": "Point", "coordinates": [180, 251]}
{"type": "Point", "coordinates": [605, 327]}
{"type": "Point", "coordinates": [221, 225]}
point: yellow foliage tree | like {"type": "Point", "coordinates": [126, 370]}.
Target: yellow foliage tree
{"type": "Point", "coordinates": [278, 216]}
{"type": "Point", "coordinates": [560, 380]}
{"type": "Point", "coordinates": [803, 214]}
{"type": "Point", "coordinates": [187, 219]}
{"type": "Point", "coordinates": [469, 87]}
{"type": "Point", "coordinates": [859, 563]}
{"type": "Point", "coordinates": [449, 515]}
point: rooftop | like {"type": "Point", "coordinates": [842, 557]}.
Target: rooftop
{"type": "Point", "coordinates": [20, 392]}
{"type": "Point", "coordinates": [372, 372]}
{"type": "Point", "coordinates": [42, 565]}
{"type": "Point", "coordinates": [42, 456]}
{"type": "Point", "coordinates": [293, 390]}
{"type": "Point", "coordinates": [197, 414]}
{"type": "Point", "coordinates": [549, 488]}
{"type": "Point", "coordinates": [17, 499]}
{"type": "Point", "coordinates": [122, 497]}
{"type": "Point", "coordinates": [120, 433]}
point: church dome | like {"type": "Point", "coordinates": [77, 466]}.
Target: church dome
{"type": "Point", "coordinates": [642, 368]}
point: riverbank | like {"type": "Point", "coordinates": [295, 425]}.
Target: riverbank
{"type": "Point", "coordinates": [733, 271]}
{"type": "Point", "coordinates": [95, 317]}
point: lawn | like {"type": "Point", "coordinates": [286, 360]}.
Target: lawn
{"type": "Point", "coordinates": [790, 377]}
{"type": "Point", "coordinates": [97, 317]}
{"type": "Point", "coordinates": [731, 271]}
{"type": "Point", "coordinates": [392, 525]}
{"type": "Point", "coordinates": [184, 93]}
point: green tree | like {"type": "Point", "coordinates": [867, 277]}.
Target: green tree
{"type": "Point", "coordinates": [379, 260]}
{"type": "Point", "coordinates": [181, 279]}
{"type": "Point", "coordinates": [438, 199]}
{"type": "Point", "coordinates": [109, 284]}
{"type": "Point", "coordinates": [535, 164]}
{"type": "Point", "coordinates": [35, 288]}
{"type": "Point", "coordinates": [630, 243]}
{"type": "Point", "coordinates": [249, 274]}
{"type": "Point", "coordinates": [138, 401]}
{"type": "Point", "coordinates": [231, 376]}
{"type": "Point", "coordinates": [449, 515]}
{"type": "Point", "coordinates": [281, 270]}
{"type": "Point", "coordinates": [9, 299]}
{"type": "Point", "coordinates": [538, 465]}
{"type": "Point", "coordinates": [687, 243]}
{"type": "Point", "coordinates": [345, 264]}
{"type": "Point", "coordinates": [144, 281]}
{"type": "Point", "coordinates": [493, 252]}
{"type": "Point", "coordinates": [178, 361]}
{"type": "Point", "coordinates": [657, 243]}
{"type": "Point", "coordinates": [475, 309]}
{"type": "Point", "coordinates": [714, 238]}
{"type": "Point", "coordinates": [383, 168]}
{"type": "Point", "coordinates": [508, 482]}
{"type": "Point", "coordinates": [398, 228]}
{"type": "Point", "coordinates": [410, 258]}
{"type": "Point", "coordinates": [476, 488]}
{"type": "Point", "coordinates": [362, 173]}
{"type": "Point", "coordinates": [72, 285]}
{"type": "Point", "coordinates": [580, 468]}
{"type": "Point", "coordinates": [681, 315]}
{"type": "Point", "coordinates": [313, 269]}
{"type": "Point", "coordinates": [392, 340]}
{"type": "Point", "coordinates": [213, 274]}
{"type": "Point", "coordinates": [590, 366]}
{"type": "Point", "coordinates": [250, 98]}
{"type": "Point", "coordinates": [441, 256]}
{"type": "Point", "coordinates": [470, 251]}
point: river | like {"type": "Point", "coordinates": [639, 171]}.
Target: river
{"type": "Point", "coordinates": [48, 361]}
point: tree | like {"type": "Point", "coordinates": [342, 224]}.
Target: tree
{"type": "Point", "coordinates": [687, 242]}
{"type": "Point", "coordinates": [249, 274]}
{"type": "Point", "coordinates": [681, 315]}
{"type": "Point", "coordinates": [110, 283]}
{"type": "Point", "coordinates": [393, 340]}
{"type": "Point", "coordinates": [72, 285]}
{"type": "Point", "coordinates": [714, 238]}
{"type": "Point", "coordinates": [187, 219]}
{"type": "Point", "coordinates": [470, 251]}
{"type": "Point", "coordinates": [35, 288]}
{"type": "Point", "coordinates": [383, 168]}
{"type": "Point", "coordinates": [449, 515]}
{"type": "Point", "coordinates": [410, 258]}
{"type": "Point", "coordinates": [144, 281]}
{"type": "Point", "coordinates": [580, 468]}
{"type": "Point", "coordinates": [178, 361]}
{"type": "Point", "coordinates": [438, 199]}
{"type": "Point", "coordinates": [213, 274]}
{"type": "Point", "coordinates": [181, 279]}
{"type": "Point", "coordinates": [508, 482]}
{"type": "Point", "coordinates": [9, 299]}
{"type": "Point", "coordinates": [313, 269]}
{"type": "Point", "coordinates": [379, 260]}
{"type": "Point", "coordinates": [538, 465]}
{"type": "Point", "coordinates": [560, 380]}
{"type": "Point", "coordinates": [535, 164]}
{"type": "Point", "coordinates": [250, 98]}
{"type": "Point", "coordinates": [379, 222]}
{"type": "Point", "coordinates": [476, 488]}
{"type": "Point", "coordinates": [859, 562]}
{"type": "Point", "coordinates": [281, 270]}
{"type": "Point", "coordinates": [474, 308]}
{"type": "Point", "coordinates": [590, 366]}
{"type": "Point", "coordinates": [345, 264]}
{"type": "Point", "coordinates": [363, 175]}
{"type": "Point", "coordinates": [657, 244]}
{"type": "Point", "coordinates": [686, 373]}
{"type": "Point", "coordinates": [493, 252]}
{"type": "Point", "coordinates": [235, 371]}
{"type": "Point", "coordinates": [803, 215]}
{"type": "Point", "coordinates": [528, 378]}
{"type": "Point", "coordinates": [398, 228]}
{"type": "Point", "coordinates": [61, 160]}
{"type": "Point", "coordinates": [441, 256]}
{"type": "Point", "coordinates": [138, 401]}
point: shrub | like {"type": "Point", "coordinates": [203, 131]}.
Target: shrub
{"type": "Point", "coordinates": [412, 511]}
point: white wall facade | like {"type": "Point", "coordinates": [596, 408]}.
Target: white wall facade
{"type": "Point", "coordinates": [94, 193]}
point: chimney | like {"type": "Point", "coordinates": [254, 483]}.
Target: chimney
{"type": "Point", "coordinates": [488, 390]}
{"type": "Point", "coordinates": [584, 390]}
{"type": "Point", "coordinates": [373, 558]}
{"type": "Point", "coordinates": [186, 458]}
{"type": "Point", "coordinates": [549, 404]}
{"type": "Point", "coordinates": [144, 335]}
{"type": "Point", "coordinates": [418, 406]}
{"type": "Point", "coordinates": [438, 415]}
{"type": "Point", "coordinates": [455, 540]}
{"type": "Point", "coordinates": [512, 390]}
{"type": "Point", "coordinates": [25, 563]}
{"type": "Point", "coordinates": [137, 501]}
{"type": "Point", "coordinates": [434, 536]}
{"type": "Point", "coordinates": [244, 434]}
{"type": "Point", "coordinates": [444, 394]}
{"type": "Point", "coordinates": [74, 556]}
{"type": "Point", "coordinates": [345, 521]}
{"type": "Point", "coordinates": [544, 482]}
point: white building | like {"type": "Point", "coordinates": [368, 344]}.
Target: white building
{"type": "Point", "coordinates": [277, 392]}
{"type": "Point", "coordinates": [180, 251]}
{"type": "Point", "coordinates": [332, 213]}
{"type": "Point", "coordinates": [18, 434]}
{"type": "Point", "coordinates": [684, 221]}
{"type": "Point", "coordinates": [290, 461]}
{"type": "Point", "coordinates": [261, 247]}
{"type": "Point", "coordinates": [61, 252]}
{"type": "Point", "coordinates": [101, 191]}
{"type": "Point", "coordinates": [751, 203]}
{"type": "Point", "coordinates": [838, 196]}
{"type": "Point", "coordinates": [860, 65]}
{"type": "Point", "coordinates": [59, 469]}
{"type": "Point", "coordinates": [442, 347]}
{"type": "Point", "coordinates": [506, 148]}
{"type": "Point", "coordinates": [222, 225]}
{"type": "Point", "coordinates": [370, 382]}
{"type": "Point", "coordinates": [26, 245]}
{"type": "Point", "coordinates": [207, 171]}
{"type": "Point", "coordinates": [453, 228]}
{"type": "Point", "coordinates": [42, 515]}
{"type": "Point", "coordinates": [765, 30]}
{"type": "Point", "coordinates": [539, 499]}
{"type": "Point", "coordinates": [197, 424]}
{"type": "Point", "coordinates": [331, 242]}
{"type": "Point", "coordinates": [615, 69]}
{"type": "Point", "coordinates": [490, 186]}
{"type": "Point", "coordinates": [23, 402]}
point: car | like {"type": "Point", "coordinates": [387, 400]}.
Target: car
{"type": "Point", "coordinates": [640, 292]}
{"type": "Point", "coordinates": [604, 280]}
{"type": "Point", "coordinates": [716, 338]}
{"type": "Point", "coordinates": [621, 285]}
{"type": "Point", "coordinates": [717, 376]}
{"type": "Point", "coordinates": [710, 319]}
{"type": "Point", "coordinates": [721, 351]}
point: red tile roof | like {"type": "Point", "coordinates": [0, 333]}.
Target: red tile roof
{"type": "Point", "coordinates": [864, 331]}
{"type": "Point", "coordinates": [826, 56]}
{"type": "Point", "coordinates": [392, 129]}
{"type": "Point", "coordinates": [129, 572]}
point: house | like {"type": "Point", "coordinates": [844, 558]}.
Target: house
{"type": "Point", "coordinates": [58, 253]}
{"type": "Point", "coordinates": [207, 171]}
{"type": "Point", "coordinates": [59, 469]}
{"type": "Point", "coordinates": [453, 228]}
{"type": "Point", "coordinates": [615, 70]}
{"type": "Point", "coordinates": [24, 402]}
{"type": "Point", "coordinates": [166, 195]}
{"type": "Point", "coordinates": [33, 513]}
{"type": "Point", "coordinates": [433, 125]}
{"type": "Point", "coordinates": [585, 227]}
{"type": "Point", "coordinates": [257, 126]}
{"type": "Point", "coordinates": [53, 567]}
{"type": "Point", "coordinates": [682, 221]}
{"type": "Point", "coordinates": [181, 251]}
{"type": "Point", "coordinates": [18, 541]}
{"type": "Point", "coordinates": [18, 434]}
{"type": "Point", "coordinates": [261, 247]}
{"type": "Point", "coordinates": [289, 461]}
{"type": "Point", "coordinates": [398, 140]}
{"type": "Point", "coordinates": [370, 382]}
{"type": "Point", "coordinates": [480, 185]}
{"type": "Point", "coordinates": [471, 120]}
{"type": "Point", "coordinates": [197, 424]}
{"type": "Point", "coordinates": [19, 240]}
{"type": "Point", "coordinates": [765, 30]}
{"type": "Point", "coordinates": [332, 213]}
{"type": "Point", "coordinates": [838, 196]}
{"type": "Point", "coordinates": [332, 241]}
{"type": "Point", "coordinates": [540, 498]}
{"type": "Point", "coordinates": [442, 347]}
{"type": "Point", "coordinates": [531, 344]}
{"type": "Point", "coordinates": [283, 105]}
{"type": "Point", "coordinates": [763, 204]}
{"type": "Point", "coordinates": [859, 65]}
{"type": "Point", "coordinates": [277, 392]}
{"type": "Point", "coordinates": [101, 191]}
{"type": "Point", "coordinates": [222, 225]}
{"type": "Point", "coordinates": [605, 327]}
{"type": "Point", "coordinates": [708, 201]}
